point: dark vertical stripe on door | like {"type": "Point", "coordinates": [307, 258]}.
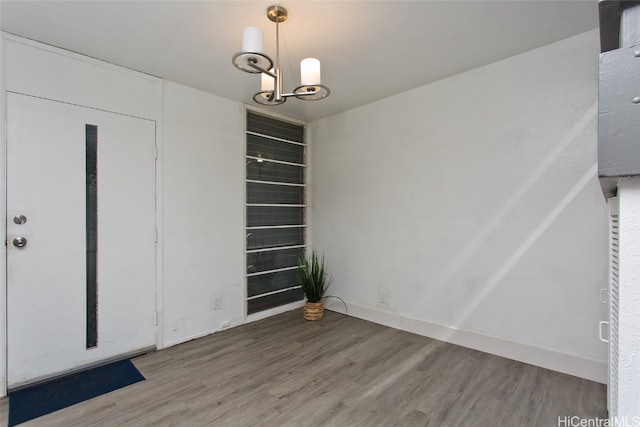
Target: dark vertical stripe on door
{"type": "Point", "coordinates": [91, 132]}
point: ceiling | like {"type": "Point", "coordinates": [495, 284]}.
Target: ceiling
{"type": "Point", "coordinates": [369, 50]}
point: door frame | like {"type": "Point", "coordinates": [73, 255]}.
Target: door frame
{"type": "Point", "coordinates": [3, 222]}
{"type": "Point", "coordinates": [149, 108]}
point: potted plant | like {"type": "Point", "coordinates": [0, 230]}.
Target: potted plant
{"type": "Point", "coordinates": [315, 281]}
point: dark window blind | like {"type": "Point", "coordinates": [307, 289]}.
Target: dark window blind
{"type": "Point", "coordinates": [276, 211]}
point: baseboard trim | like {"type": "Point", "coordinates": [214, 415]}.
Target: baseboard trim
{"type": "Point", "coordinates": [549, 359]}
{"type": "Point", "coordinates": [236, 322]}
{"type": "Point", "coordinates": [232, 324]}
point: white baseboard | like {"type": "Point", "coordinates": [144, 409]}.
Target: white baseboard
{"type": "Point", "coordinates": [549, 359]}
{"type": "Point", "coordinates": [232, 324]}
{"type": "Point", "coordinates": [236, 322]}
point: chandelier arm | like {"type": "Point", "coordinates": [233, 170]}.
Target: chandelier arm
{"type": "Point", "coordinates": [311, 92]}
{"type": "Point", "coordinates": [260, 69]}
{"type": "Point", "coordinates": [290, 94]}
{"type": "Point", "coordinates": [267, 98]}
{"type": "Point", "coordinates": [300, 94]}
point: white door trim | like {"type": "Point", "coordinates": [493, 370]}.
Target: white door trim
{"type": "Point", "coordinates": [3, 222]}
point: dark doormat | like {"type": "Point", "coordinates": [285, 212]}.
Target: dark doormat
{"type": "Point", "coordinates": [51, 396]}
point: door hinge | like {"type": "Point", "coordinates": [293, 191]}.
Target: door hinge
{"type": "Point", "coordinates": [156, 235]}
{"type": "Point", "coordinates": [156, 318]}
{"type": "Point", "coordinates": [155, 151]}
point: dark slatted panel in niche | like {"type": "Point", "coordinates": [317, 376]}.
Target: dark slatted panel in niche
{"type": "Point", "coordinates": [265, 283]}
{"type": "Point", "coordinates": [276, 211]}
{"type": "Point", "coordinates": [260, 216]}
{"type": "Point", "coordinates": [272, 260]}
{"type": "Point", "coordinates": [271, 238]}
{"type": "Point", "coordinates": [272, 301]}
{"type": "Point", "coordinates": [276, 172]}
{"type": "Point", "coordinates": [269, 193]}
{"type": "Point", "coordinates": [273, 127]}
{"type": "Point", "coordinates": [273, 149]}
{"type": "Point", "coordinates": [91, 190]}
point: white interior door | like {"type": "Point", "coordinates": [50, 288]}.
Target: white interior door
{"type": "Point", "coordinates": [53, 238]}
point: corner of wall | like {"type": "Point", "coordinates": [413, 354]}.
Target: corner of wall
{"type": "Point", "coordinates": [484, 214]}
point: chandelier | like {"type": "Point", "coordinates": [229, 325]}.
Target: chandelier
{"type": "Point", "coordinates": [253, 60]}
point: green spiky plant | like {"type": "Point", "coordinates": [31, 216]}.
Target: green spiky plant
{"type": "Point", "coordinates": [313, 277]}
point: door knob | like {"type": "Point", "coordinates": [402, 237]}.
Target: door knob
{"type": "Point", "coordinates": [20, 242]}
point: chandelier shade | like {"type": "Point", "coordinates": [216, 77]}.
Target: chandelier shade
{"type": "Point", "coordinates": [310, 72]}
{"type": "Point", "coordinates": [252, 40]}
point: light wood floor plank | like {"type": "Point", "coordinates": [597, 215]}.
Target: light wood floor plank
{"type": "Point", "coordinates": [341, 371]}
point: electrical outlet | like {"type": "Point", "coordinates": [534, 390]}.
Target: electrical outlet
{"type": "Point", "coordinates": [383, 296]}
{"type": "Point", "coordinates": [217, 302]}
{"type": "Point", "coordinates": [225, 324]}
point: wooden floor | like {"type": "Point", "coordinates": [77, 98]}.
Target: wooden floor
{"type": "Point", "coordinates": [340, 371]}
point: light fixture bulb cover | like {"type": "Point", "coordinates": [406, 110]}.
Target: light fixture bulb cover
{"type": "Point", "coordinates": [310, 72]}
{"type": "Point", "coordinates": [267, 84]}
{"type": "Point", "coordinates": [252, 40]}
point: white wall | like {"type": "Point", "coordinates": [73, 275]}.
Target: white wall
{"type": "Point", "coordinates": [475, 202]}
{"type": "Point", "coordinates": [628, 384]}
{"type": "Point", "coordinates": [203, 212]}
{"type": "Point", "coordinates": [35, 69]}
